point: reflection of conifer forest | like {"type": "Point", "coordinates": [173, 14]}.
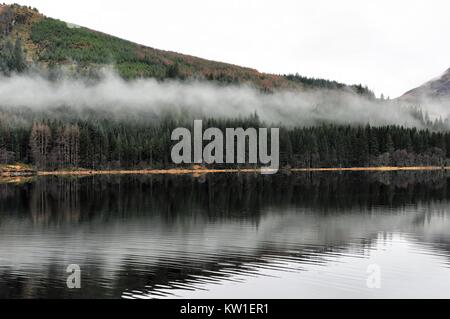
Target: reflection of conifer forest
{"type": "Point", "coordinates": [77, 199]}
{"type": "Point", "coordinates": [239, 218]}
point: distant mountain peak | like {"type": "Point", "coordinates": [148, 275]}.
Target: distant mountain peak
{"type": "Point", "coordinates": [438, 88]}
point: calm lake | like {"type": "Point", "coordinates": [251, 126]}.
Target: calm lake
{"type": "Point", "coordinates": [305, 235]}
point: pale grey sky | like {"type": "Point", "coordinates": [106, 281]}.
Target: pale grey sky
{"type": "Point", "coordinates": [392, 46]}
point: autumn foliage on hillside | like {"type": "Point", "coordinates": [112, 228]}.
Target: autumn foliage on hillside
{"type": "Point", "coordinates": [51, 43]}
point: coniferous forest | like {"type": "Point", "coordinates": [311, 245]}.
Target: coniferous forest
{"type": "Point", "coordinates": [104, 144]}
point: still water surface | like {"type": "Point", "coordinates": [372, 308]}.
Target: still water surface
{"type": "Point", "coordinates": [228, 236]}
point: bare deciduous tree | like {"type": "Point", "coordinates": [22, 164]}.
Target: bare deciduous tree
{"type": "Point", "coordinates": [40, 139]}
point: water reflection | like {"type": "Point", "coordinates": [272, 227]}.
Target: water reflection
{"type": "Point", "coordinates": [284, 236]}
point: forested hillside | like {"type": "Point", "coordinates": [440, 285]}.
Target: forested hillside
{"type": "Point", "coordinates": [49, 43]}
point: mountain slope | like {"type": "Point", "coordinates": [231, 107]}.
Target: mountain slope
{"type": "Point", "coordinates": [49, 42]}
{"type": "Point", "coordinates": [436, 89]}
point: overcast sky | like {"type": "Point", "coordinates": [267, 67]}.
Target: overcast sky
{"type": "Point", "coordinates": [392, 46]}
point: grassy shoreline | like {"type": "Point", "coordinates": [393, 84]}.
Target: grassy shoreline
{"type": "Point", "coordinates": [197, 171]}
{"type": "Point", "coordinates": [21, 170]}
{"type": "Point", "coordinates": [23, 176]}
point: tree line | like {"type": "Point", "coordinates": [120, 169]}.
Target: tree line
{"type": "Point", "coordinates": [111, 143]}
{"type": "Point", "coordinates": [329, 84]}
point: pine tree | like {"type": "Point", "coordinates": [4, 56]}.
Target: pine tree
{"type": "Point", "coordinates": [18, 57]}
{"type": "Point", "coordinates": [389, 144]}
{"type": "Point", "coordinates": [173, 71]}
